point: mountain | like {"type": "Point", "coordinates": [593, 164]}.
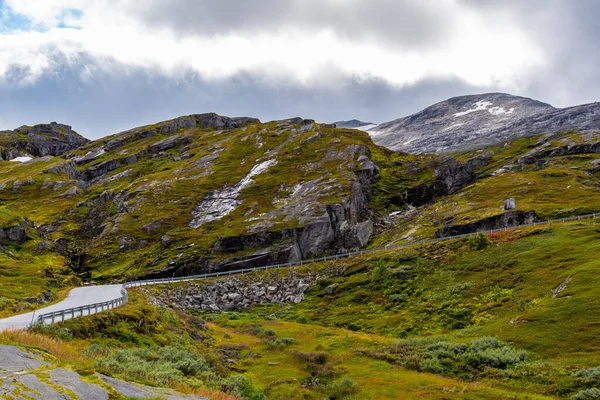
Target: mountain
{"type": "Point", "coordinates": [353, 123]}
{"type": "Point", "coordinates": [466, 317]}
{"type": "Point", "coordinates": [469, 122]}
{"type": "Point", "coordinates": [196, 194]}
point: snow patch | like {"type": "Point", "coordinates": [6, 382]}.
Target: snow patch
{"type": "Point", "coordinates": [22, 159]}
{"type": "Point", "coordinates": [484, 105]}
{"type": "Point", "coordinates": [479, 106]}
{"type": "Point", "coordinates": [500, 110]}
{"type": "Point", "coordinates": [219, 203]}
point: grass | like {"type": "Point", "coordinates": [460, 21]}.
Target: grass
{"type": "Point", "coordinates": [457, 319]}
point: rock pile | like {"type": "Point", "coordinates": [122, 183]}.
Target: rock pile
{"type": "Point", "coordinates": [239, 292]}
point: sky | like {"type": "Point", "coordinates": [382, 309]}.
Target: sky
{"type": "Point", "coordinates": [104, 66]}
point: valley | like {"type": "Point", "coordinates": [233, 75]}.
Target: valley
{"type": "Point", "coordinates": [507, 314]}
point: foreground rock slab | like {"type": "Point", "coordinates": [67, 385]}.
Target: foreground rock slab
{"type": "Point", "coordinates": [24, 375]}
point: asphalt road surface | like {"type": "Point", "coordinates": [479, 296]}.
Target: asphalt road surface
{"type": "Point", "coordinates": [81, 296]}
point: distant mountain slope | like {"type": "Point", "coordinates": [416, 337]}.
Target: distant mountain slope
{"type": "Point", "coordinates": [468, 122]}
{"type": "Point", "coordinates": [353, 123]}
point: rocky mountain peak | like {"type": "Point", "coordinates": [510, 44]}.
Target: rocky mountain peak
{"type": "Point", "coordinates": [475, 121]}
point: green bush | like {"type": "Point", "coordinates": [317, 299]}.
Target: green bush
{"type": "Point", "coordinates": [590, 374]}
{"type": "Point", "coordinates": [243, 387]}
{"type": "Point", "coordinates": [161, 365]}
{"type": "Point", "coordinates": [478, 242]}
{"type": "Point", "coordinates": [379, 272]}
{"type": "Point", "coordinates": [587, 394]}
{"type": "Point", "coordinates": [52, 330]}
{"type": "Point", "coordinates": [281, 342]}
{"type": "Point", "coordinates": [465, 360]}
{"type": "Point", "coordinates": [459, 288]}
{"type": "Point", "coordinates": [342, 389]}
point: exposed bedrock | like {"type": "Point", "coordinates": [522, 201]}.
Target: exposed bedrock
{"type": "Point", "coordinates": [16, 233]}
{"type": "Point", "coordinates": [450, 177]}
{"type": "Point", "coordinates": [505, 220]}
{"type": "Point", "coordinates": [342, 227]}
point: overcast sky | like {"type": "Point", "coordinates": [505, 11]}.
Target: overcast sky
{"type": "Point", "coordinates": [108, 65]}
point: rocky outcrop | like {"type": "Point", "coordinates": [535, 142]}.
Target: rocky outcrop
{"type": "Point", "coordinates": [505, 220]}
{"type": "Point", "coordinates": [16, 233]}
{"type": "Point", "coordinates": [342, 227]}
{"type": "Point", "coordinates": [537, 155]}
{"type": "Point", "coordinates": [204, 121]}
{"type": "Point", "coordinates": [449, 177]}
{"type": "Point", "coordinates": [239, 292]}
{"type": "Point", "coordinates": [40, 140]}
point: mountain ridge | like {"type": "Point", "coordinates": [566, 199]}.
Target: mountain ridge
{"type": "Point", "coordinates": [474, 121]}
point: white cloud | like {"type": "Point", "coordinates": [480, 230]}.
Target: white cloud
{"type": "Point", "coordinates": [478, 51]}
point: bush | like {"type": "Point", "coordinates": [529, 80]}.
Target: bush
{"type": "Point", "coordinates": [342, 389]}
{"type": "Point", "coordinates": [243, 387]}
{"type": "Point", "coordinates": [590, 374]}
{"type": "Point", "coordinates": [478, 242]}
{"type": "Point", "coordinates": [164, 366]}
{"type": "Point", "coordinates": [459, 288]}
{"type": "Point", "coordinates": [52, 330]}
{"type": "Point", "coordinates": [465, 360]}
{"type": "Point", "coordinates": [379, 272]}
{"type": "Point", "coordinates": [587, 394]}
{"type": "Point", "coordinates": [281, 342]}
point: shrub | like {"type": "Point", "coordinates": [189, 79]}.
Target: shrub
{"type": "Point", "coordinates": [379, 272]}
{"type": "Point", "coordinates": [53, 331]}
{"type": "Point", "coordinates": [243, 387]}
{"type": "Point", "coordinates": [281, 342]}
{"type": "Point", "coordinates": [459, 288]}
{"type": "Point", "coordinates": [590, 374]}
{"type": "Point", "coordinates": [466, 360]}
{"type": "Point", "coordinates": [302, 319]}
{"type": "Point", "coordinates": [587, 394]}
{"type": "Point", "coordinates": [478, 242]}
{"type": "Point", "coordinates": [342, 389]}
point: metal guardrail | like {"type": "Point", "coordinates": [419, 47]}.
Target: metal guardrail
{"type": "Point", "coordinates": [90, 309]}
{"type": "Point", "coordinates": [81, 311]}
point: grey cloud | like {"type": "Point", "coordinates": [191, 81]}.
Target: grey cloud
{"type": "Point", "coordinates": [125, 98]}
{"type": "Point", "coordinates": [406, 23]}
{"type": "Point", "coordinates": [568, 34]}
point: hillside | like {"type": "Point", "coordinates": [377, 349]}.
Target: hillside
{"type": "Point", "coordinates": [197, 194]}
{"type": "Point", "coordinates": [510, 315]}
{"type": "Point", "coordinates": [475, 121]}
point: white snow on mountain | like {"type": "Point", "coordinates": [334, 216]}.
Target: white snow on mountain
{"type": "Point", "coordinates": [22, 159]}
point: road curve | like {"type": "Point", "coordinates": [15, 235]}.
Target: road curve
{"type": "Point", "coordinates": [77, 297]}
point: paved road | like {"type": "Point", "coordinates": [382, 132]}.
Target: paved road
{"type": "Point", "coordinates": [77, 297]}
